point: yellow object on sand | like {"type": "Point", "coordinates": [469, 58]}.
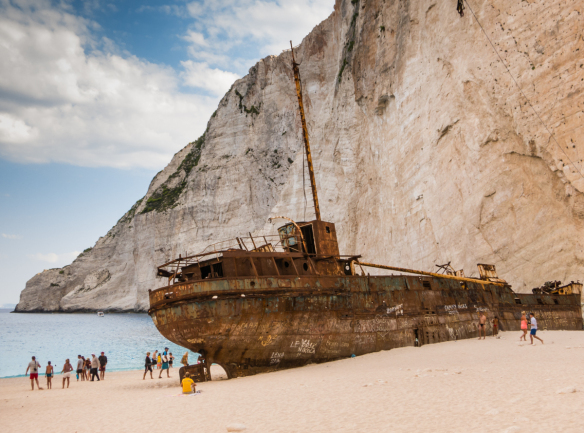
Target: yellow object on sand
{"type": "Point", "coordinates": [187, 385]}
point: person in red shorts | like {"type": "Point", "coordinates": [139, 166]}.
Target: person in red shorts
{"type": "Point", "coordinates": [33, 366]}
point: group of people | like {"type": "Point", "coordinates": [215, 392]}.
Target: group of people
{"type": "Point", "coordinates": [85, 367]}
{"type": "Point", "coordinates": [532, 331]}
{"type": "Point", "coordinates": [162, 361]}
{"type": "Point", "coordinates": [93, 367]}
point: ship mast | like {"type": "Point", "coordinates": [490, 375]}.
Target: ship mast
{"type": "Point", "coordinates": [305, 134]}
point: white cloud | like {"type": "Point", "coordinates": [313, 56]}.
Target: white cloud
{"type": "Point", "coordinates": [268, 25]}
{"type": "Point", "coordinates": [201, 75]}
{"type": "Point", "coordinates": [4, 235]}
{"type": "Point", "coordinates": [56, 259]}
{"type": "Point", "coordinates": [196, 39]}
{"type": "Point", "coordinates": [67, 97]}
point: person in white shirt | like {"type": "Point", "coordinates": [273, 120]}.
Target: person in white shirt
{"type": "Point", "coordinates": [533, 329]}
{"type": "Point", "coordinates": [33, 366]}
{"type": "Point", "coordinates": [94, 367]}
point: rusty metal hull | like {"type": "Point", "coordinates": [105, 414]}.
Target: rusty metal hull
{"type": "Point", "coordinates": [281, 323]}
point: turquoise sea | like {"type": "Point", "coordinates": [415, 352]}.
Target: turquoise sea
{"type": "Point", "coordinates": [125, 339]}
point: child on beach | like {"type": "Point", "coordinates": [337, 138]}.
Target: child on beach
{"type": "Point", "coordinates": [67, 369]}
{"type": "Point", "coordinates": [159, 362]}
{"type": "Point", "coordinates": [188, 384]}
{"type": "Point", "coordinates": [523, 326]}
{"type": "Point", "coordinates": [185, 359]}
{"type": "Point", "coordinates": [49, 375]}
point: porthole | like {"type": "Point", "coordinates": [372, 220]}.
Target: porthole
{"type": "Point", "coordinates": [286, 264]}
{"type": "Point", "coordinates": [305, 266]}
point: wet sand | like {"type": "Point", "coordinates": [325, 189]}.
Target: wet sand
{"type": "Point", "coordinates": [496, 385]}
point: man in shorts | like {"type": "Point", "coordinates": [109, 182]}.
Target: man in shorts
{"type": "Point", "coordinates": [164, 363]}
{"type": "Point", "coordinates": [533, 329]}
{"type": "Point", "coordinates": [80, 363]}
{"type": "Point", "coordinates": [482, 325]}
{"type": "Point", "coordinates": [33, 366]}
{"type": "Point", "coordinates": [102, 363]}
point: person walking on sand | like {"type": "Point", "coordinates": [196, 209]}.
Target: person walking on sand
{"type": "Point", "coordinates": [147, 366]}
{"type": "Point", "coordinates": [94, 367]}
{"type": "Point", "coordinates": [496, 327]}
{"type": "Point", "coordinates": [188, 384]}
{"type": "Point", "coordinates": [164, 359]}
{"type": "Point", "coordinates": [170, 359]}
{"type": "Point", "coordinates": [523, 326]}
{"type": "Point", "coordinates": [49, 375]}
{"type": "Point", "coordinates": [482, 325]}
{"type": "Point", "coordinates": [79, 371]}
{"type": "Point", "coordinates": [102, 362]}
{"type": "Point", "coordinates": [67, 369]}
{"type": "Point", "coordinates": [159, 362]}
{"type": "Point", "coordinates": [533, 329]}
{"type": "Point", "coordinates": [33, 366]}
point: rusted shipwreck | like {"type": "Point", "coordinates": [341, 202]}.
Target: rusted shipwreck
{"type": "Point", "coordinates": [259, 304]}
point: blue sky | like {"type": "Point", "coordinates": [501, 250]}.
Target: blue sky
{"type": "Point", "coordinates": [96, 97]}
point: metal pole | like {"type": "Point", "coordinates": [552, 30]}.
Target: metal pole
{"type": "Point", "coordinates": [431, 274]}
{"type": "Point", "coordinates": [305, 134]}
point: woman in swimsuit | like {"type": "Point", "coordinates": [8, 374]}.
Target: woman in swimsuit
{"type": "Point", "coordinates": [67, 369]}
{"type": "Point", "coordinates": [49, 374]}
{"type": "Point", "coordinates": [523, 326]}
{"type": "Point", "coordinates": [87, 368]}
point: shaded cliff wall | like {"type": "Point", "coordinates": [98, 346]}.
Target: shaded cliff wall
{"type": "Point", "coordinates": [425, 152]}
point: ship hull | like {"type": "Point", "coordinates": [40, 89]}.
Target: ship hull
{"type": "Point", "coordinates": [257, 325]}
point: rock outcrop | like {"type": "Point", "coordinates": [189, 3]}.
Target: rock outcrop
{"type": "Point", "coordinates": [425, 152]}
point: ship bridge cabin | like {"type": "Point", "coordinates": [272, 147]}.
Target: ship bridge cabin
{"type": "Point", "coordinates": [299, 249]}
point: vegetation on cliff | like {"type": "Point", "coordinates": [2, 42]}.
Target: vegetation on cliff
{"type": "Point", "coordinates": [166, 197]}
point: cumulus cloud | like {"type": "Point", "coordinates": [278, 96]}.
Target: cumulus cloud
{"type": "Point", "coordinates": [56, 259]}
{"type": "Point", "coordinates": [216, 81]}
{"type": "Point", "coordinates": [68, 97]}
{"type": "Point", "coordinates": [226, 25]}
{"type": "Point", "coordinates": [6, 236]}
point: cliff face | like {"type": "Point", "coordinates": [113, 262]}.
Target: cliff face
{"type": "Point", "coordinates": [425, 152]}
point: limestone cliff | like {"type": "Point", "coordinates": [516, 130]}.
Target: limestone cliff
{"type": "Point", "coordinates": [425, 152]}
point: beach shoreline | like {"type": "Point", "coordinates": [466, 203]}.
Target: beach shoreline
{"type": "Point", "coordinates": [492, 385]}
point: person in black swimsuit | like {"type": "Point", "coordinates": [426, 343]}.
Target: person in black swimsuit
{"type": "Point", "coordinates": [482, 325]}
{"type": "Point", "coordinates": [147, 366]}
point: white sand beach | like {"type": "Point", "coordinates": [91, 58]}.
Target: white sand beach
{"type": "Point", "coordinates": [496, 385]}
